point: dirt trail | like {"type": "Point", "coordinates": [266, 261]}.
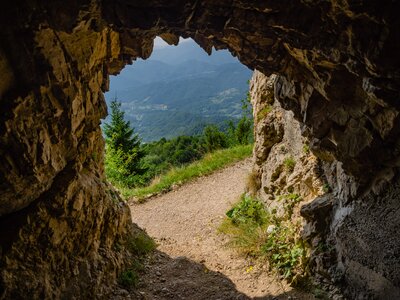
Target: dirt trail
{"type": "Point", "coordinates": [192, 261]}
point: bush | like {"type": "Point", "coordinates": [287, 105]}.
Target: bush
{"type": "Point", "coordinates": [247, 210]}
{"type": "Point", "coordinates": [214, 139]}
{"type": "Point", "coordinates": [244, 130]}
{"type": "Point", "coordinates": [260, 233]}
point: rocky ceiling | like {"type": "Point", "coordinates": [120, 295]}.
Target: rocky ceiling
{"type": "Point", "coordinates": [339, 72]}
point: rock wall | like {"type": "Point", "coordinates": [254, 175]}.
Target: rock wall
{"type": "Point", "coordinates": [345, 236]}
{"type": "Point", "coordinates": [338, 67]}
{"type": "Point", "coordinates": [60, 221]}
{"type": "Point", "coordinates": [283, 161]}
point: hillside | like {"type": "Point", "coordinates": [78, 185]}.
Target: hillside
{"type": "Point", "coordinates": [179, 90]}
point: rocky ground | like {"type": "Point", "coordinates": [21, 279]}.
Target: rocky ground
{"type": "Point", "coordinates": [192, 260]}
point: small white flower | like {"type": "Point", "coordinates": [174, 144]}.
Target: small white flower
{"type": "Point", "coordinates": [271, 228]}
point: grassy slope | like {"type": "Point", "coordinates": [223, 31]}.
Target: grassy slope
{"type": "Point", "coordinates": [177, 176]}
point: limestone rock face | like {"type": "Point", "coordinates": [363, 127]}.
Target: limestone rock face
{"type": "Point", "coordinates": [338, 72]}
{"type": "Point", "coordinates": [60, 221]}
{"type": "Point", "coordinates": [351, 239]}
{"type": "Point", "coordinates": [283, 161]}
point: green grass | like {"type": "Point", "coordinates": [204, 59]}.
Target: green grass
{"type": "Point", "coordinates": [260, 233]}
{"type": "Point", "coordinates": [289, 163]}
{"type": "Point", "coordinates": [139, 244]}
{"type": "Point", "coordinates": [178, 176]}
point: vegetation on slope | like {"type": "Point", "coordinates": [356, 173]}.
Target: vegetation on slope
{"type": "Point", "coordinates": [131, 165]}
{"type": "Point", "coordinates": [124, 154]}
{"type": "Point", "coordinates": [267, 234]}
{"type": "Point", "coordinates": [179, 175]}
{"type": "Point", "coordinates": [180, 90]}
{"type": "Point", "coordinates": [140, 245]}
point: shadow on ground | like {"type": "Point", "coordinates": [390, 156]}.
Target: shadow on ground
{"type": "Point", "coordinates": [181, 278]}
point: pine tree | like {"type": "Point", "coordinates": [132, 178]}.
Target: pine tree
{"type": "Point", "coordinates": [123, 161]}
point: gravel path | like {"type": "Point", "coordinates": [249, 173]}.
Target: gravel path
{"type": "Point", "coordinates": [192, 261]}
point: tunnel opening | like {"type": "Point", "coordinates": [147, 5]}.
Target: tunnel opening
{"type": "Point", "coordinates": [55, 61]}
{"type": "Point", "coordinates": [234, 200]}
{"type": "Point", "coordinates": [182, 104]}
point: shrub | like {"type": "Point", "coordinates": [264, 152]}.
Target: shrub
{"type": "Point", "coordinates": [214, 139]}
{"type": "Point", "coordinates": [247, 210]}
{"type": "Point", "coordinates": [258, 232]}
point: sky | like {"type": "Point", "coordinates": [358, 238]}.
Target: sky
{"type": "Point", "coordinates": [159, 42]}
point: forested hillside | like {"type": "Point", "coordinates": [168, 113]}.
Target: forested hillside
{"type": "Point", "coordinates": [179, 90]}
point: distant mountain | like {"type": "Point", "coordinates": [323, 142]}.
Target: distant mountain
{"type": "Point", "coordinates": [179, 90]}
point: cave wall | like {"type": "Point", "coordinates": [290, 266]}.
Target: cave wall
{"type": "Point", "coordinates": [338, 72]}
{"type": "Point", "coordinates": [61, 223]}
{"type": "Point", "coordinates": [283, 162]}
{"type": "Point", "coordinates": [352, 246]}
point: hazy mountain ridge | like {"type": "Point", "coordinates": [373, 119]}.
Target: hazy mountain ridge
{"type": "Point", "coordinates": [179, 90]}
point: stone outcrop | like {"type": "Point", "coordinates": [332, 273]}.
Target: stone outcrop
{"type": "Point", "coordinates": [283, 161]}
{"type": "Point", "coordinates": [288, 173]}
{"type": "Point", "coordinates": [338, 72]}
{"type": "Point", "coordinates": [343, 234]}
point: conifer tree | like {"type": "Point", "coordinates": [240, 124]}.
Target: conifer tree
{"type": "Point", "coordinates": [123, 160]}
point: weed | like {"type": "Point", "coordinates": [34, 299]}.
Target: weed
{"type": "Point", "coordinates": [285, 250]}
{"type": "Point", "coordinates": [129, 278]}
{"type": "Point", "coordinates": [141, 244]}
{"type": "Point", "coordinates": [289, 202]}
{"type": "Point", "coordinates": [258, 232]}
{"type": "Point", "coordinates": [306, 148]}
{"type": "Point", "coordinates": [268, 98]}
{"type": "Point", "coordinates": [276, 173]}
{"type": "Point", "coordinates": [326, 188]}
{"type": "Point", "coordinates": [319, 293]}
{"type": "Point", "coordinates": [289, 163]}
{"type": "Point", "coordinates": [247, 210]}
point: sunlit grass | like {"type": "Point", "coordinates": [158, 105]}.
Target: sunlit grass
{"type": "Point", "coordinates": [260, 233]}
{"type": "Point", "coordinates": [178, 176]}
